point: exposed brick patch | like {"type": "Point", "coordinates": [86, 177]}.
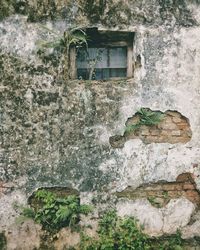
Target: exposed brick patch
{"type": "Point", "coordinates": [160, 193]}
{"type": "Point", "coordinates": [173, 128]}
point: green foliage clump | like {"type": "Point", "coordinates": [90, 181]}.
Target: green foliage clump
{"type": "Point", "coordinates": [150, 118]}
{"type": "Point", "coordinates": [147, 118]}
{"type": "Point", "coordinates": [54, 213]}
{"type": "Point", "coordinates": [116, 233]}
{"type": "Point", "coordinates": [172, 242]}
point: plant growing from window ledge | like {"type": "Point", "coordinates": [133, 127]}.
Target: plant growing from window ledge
{"type": "Point", "coordinates": [147, 118]}
{"type": "Point", "coordinates": [74, 37]}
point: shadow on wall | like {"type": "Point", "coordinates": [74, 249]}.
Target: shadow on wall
{"type": "Point", "coordinates": [154, 127]}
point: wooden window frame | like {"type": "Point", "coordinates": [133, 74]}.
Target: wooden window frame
{"type": "Point", "coordinates": [112, 44]}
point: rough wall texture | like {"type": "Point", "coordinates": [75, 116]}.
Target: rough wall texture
{"type": "Point", "coordinates": [56, 134]}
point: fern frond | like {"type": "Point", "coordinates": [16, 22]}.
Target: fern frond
{"type": "Point", "coordinates": [62, 214]}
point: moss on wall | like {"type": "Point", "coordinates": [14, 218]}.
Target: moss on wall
{"type": "Point", "coordinates": [37, 10]}
{"type": "Point", "coordinates": [2, 241]}
{"type": "Point", "coordinates": [107, 12]}
{"type": "Point", "coordinates": [6, 8]}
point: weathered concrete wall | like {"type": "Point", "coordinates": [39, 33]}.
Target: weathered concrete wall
{"type": "Point", "coordinates": [55, 133]}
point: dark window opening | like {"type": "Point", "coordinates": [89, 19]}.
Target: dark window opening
{"type": "Point", "coordinates": [108, 55]}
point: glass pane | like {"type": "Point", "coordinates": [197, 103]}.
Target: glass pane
{"type": "Point", "coordinates": [81, 59]}
{"type": "Point", "coordinates": [101, 74]}
{"type": "Point", "coordinates": [83, 74]}
{"type": "Point", "coordinates": [98, 57]}
{"type": "Point", "coordinates": [118, 73]}
{"type": "Point", "coordinates": [92, 58]}
{"type": "Point", "coordinates": [107, 63]}
{"type": "Point", "coordinates": [118, 57]}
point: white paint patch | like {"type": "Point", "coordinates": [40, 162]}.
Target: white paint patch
{"type": "Point", "coordinates": [191, 231]}
{"type": "Point", "coordinates": [150, 217]}
{"type": "Point", "coordinates": [157, 221]}
{"type": "Point", "coordinates": [177, 214]}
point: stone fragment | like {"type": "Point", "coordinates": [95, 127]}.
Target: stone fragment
{"type": "Point", "coordinates": [191, 231]}
{"type": "Point", "coordinates": [177, 214]}
{"type": "Point", "coordinates": [156, 221]}
{"type": "Point", "coordinates": [148, 216]}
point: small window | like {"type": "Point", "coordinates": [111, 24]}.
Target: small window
{"type": "Point", "coordinates": [102, 63]}
{"type": "Point", "coordinates": [108, 55]}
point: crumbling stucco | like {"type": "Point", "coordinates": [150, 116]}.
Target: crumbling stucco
{"type": "Point", "coordinates": [172, 128]}
{"type": "Point", "coordinates": [160, 193]}
{"type": "Point", "coordinates": [56, 134]}
{"type": "Point", "coordinates": [175, 215]}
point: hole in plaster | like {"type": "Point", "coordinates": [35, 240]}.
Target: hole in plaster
{"type": "Point", "coordinates": [168, 127]}
{"type": "Point", "coordinates": [160, 193]}
{"type": "Point", "coordinates": [138, 62]}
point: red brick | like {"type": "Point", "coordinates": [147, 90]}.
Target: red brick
{"type": "Point", "coordinates": [188, 186]}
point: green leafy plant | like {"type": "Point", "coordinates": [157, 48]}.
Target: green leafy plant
{"type": "Point", "coordinates": [165, 194]}
{"type": "Point", "coordinates": [131, 128]}
{"type": "Point", "coordinates": [116, 233]}
{"type": "Point", "coordinates": [147, 118]}
{"type": "Point", "coordinates": [55, 212]}
{"type": "Point", "coordinates": [28, 212]}
{"type": "Point", "coordinates": [172, 242]}
{"type": "Point", "coordinates": [74, 37]}
{"type": "Point", "coordinates": [150, 118]}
